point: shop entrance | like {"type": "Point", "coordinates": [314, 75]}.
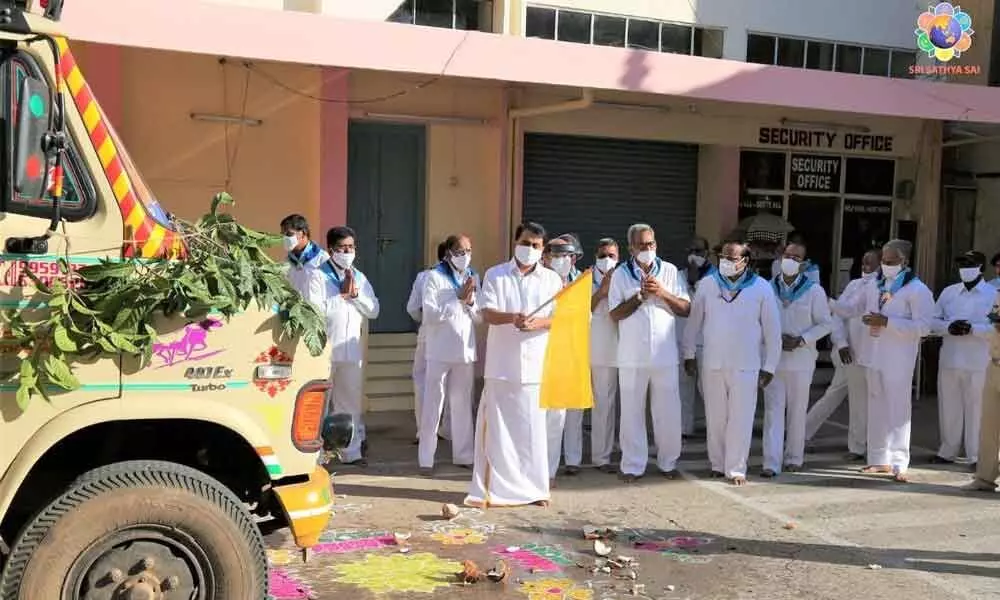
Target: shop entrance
{"type": "Point", "coordinates": [815, 218]}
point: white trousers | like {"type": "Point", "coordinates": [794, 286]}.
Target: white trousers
{"type": "Point", "coordinates": [857, 431]}
{"type": "Point", "coordinates": [451, 384]}
{"type": "Point", "coordinates": [419, 384]}
{"type": "Point", "coordinates": [346, 396]}
{"type": "Point", "coordinates": [960, 405]}
{"type": "Point", "coordinates": [690, 389]}
{"type": "Point", "coordinates": [603, 415]}
{"type": "Point", "coordinates": [730, 405]}
{"type": "Point", "coordinates": [665, 407]}
{"type": "Point", "coordinates": [785, 402]}
{"type": "Point", "coordinates": [829, 402]}
{"type": "Point", "coordinates": [555, 424]}
{"type": "Point", "coordinates": [573, 438]}
{"type": "Point", "coordinates": [890, 396]}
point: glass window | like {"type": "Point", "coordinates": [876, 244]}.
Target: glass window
{"type": "Point", "coordinates": [791, 53]}
{"type": "Point", "coordinates": [901, 62]}
{"type": "Point", "coordinates": [760, 49]}
{"type": "Point", "coordinates": [540, 23]}
{"type": "Point", "coordinates": [848, 59]}
{"type": "Point", "coordinates": [762, 170]}
{"type": "Point", "coordinates": [435, 13]}
{"type": "Point", "coordinates": [876, 62]}
{"type": "Point", "coordinates": [609, 31]}
{"type": "Point", "coordinates": [870, 176]}
{"type": "Point", "coordinates": [574, 26]}
{"type": "Point", "coordinates": [675, 39]}
{"type": "Point", "coordinates": [753, 204]}
{"type": "Point", "coordinates": [819, 55]}
{"type": "Point", "coordinates": [467, 14]}
{"type": "Point", "coordinates": [403, 14]}
{"type": "Point", "coordinates": [708, 42]}
{"type": "Point", "coordinates": [644, 35]}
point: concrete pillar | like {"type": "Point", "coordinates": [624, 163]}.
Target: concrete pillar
{"type": "Point", "coordinates": [334, 118]}
{"type": "Point", "coordinates": [928, 198]}
{"type": "Point", "coordinates": [718, 191]}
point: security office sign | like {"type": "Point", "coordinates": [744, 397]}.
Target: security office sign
{"type": "Point", "coordinates": [815, 173]}
{"type": "Point", "coordinates": [822, 139]}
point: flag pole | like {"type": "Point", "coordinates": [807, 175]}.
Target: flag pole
{"type": "Point", "coordinates": [556, 296]}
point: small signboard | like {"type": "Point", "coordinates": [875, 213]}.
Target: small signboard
{"type": "Point", "coordinates": [815, 173]}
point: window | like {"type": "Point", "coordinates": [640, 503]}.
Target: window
{"type": "Point", "coordinates": [435, 13]}
{"type": "Point", "coordinates": [762, 170]}
{"type": "Point", "coordinates": [643, 35]}
{"type": "Point", "coordinates": [791, 52]}
{"type": "Point", "coordinates": [573, 26]}
{"type": "Point", "coordinates": [870, 176]}
{"type": "Point", "coordinates": [708, 42]}
{"type": "Point", "coordinates": [848, 58]}
{"type": "Point", "coordinates": [675, 39]}
{"type": "Point", "coordinates": [819, 55]}
{"type": "Point", "coordinates": [540, 23]}
{"type": "Point", "coordinates": [760, 49]}
{"type": "Point", "coordinates": [449, 14]}
{"type": "Point", "coordinates": [467, 15]}
{"type": "Point", "coordinates": [609, 31]}
{"type": "Point", "coordinates": [876, 62]}
{"type": "Point", "coordinates": [900, 63]}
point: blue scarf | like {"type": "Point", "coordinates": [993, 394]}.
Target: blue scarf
{"type": "Point", "coordinates": [446, 269]}
{"type": "Point", "coordinates": [308, 253]}
{"type": "Point", "coordinates": [745, 281]}
{"type": "Point", "coordinates": [886, 292]}
{"type": "Point", "coordinates": [632, 266]}
{"type": "Point", "coordinates": [788, 294]}
{"type": "Point", "coordinates": [573, 274]}
{"type": "Point", "coordinates": [329, 270]}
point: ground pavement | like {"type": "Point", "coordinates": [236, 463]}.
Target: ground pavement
{"type": "Point", "coordinates": [827, 533]}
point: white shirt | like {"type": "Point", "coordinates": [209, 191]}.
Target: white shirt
{"type": "Point", "coordinates": [739, 335]}
{"type": "Point", "coordinates": [511, 354]}
{"type": "Point", "coordinates": [345, 316]}
{"type": "Point", "coordinates": [965, 352]}
{"type": "Point", "coordinates": [858, 338]}
{"type": "Point", "coordinates": [603, 331]}
{"type": "Point", "coordinates": [450, 323]}
{"type": "Point", "coordinates": [838, 329]}
{"type": "Point", "coordinates": [807, 317]}
{"type": "Point", "coordinates": [647, 337]}
{"type": "Point", "coordinates": [309, 280]}
{"type": "Point", "coordinates": [415, 303]}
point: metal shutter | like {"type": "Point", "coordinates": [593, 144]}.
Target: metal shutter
{"type": "Point", "coordinates": [598, 187]}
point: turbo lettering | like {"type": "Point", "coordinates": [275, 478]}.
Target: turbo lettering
{"type": "Point", "coordinates": [211, 387]}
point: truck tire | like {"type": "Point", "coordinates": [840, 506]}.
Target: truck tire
{"type": "Point", "coordinates": [139, 529]}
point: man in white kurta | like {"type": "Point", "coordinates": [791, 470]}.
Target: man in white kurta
{"type": "Point", "coordinates": [414, 308]}
{"type": "Point", "coordinates": [603, 359]}
{"type": "Point", "coordinates": [450, 315]}
{"type": "Point", "coordinates": [962, 321]}
{"type": "Point", "coordinates": [646, 296]}
{"type": "Point", "coordinates": [511, 461]}
{"type": "Point", "coordinates": [349, 300]}
{"type": "Point", "coordinates": [898, 311]}
{"type": "Point", "coordinates": [805, 318]}
{"type": "Point", "coordinates": [735, 312]}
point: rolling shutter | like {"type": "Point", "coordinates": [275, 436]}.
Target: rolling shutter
{"type": "Point", "coordinates": [598, 187]}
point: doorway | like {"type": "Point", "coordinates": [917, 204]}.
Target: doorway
{"type": "Point", "coordinates": [815, 218]}
{"type": "Point", "coordinates": [385, 206]}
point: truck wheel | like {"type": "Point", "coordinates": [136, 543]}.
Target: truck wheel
{"type": "Point", "coordinates": [139, 529]}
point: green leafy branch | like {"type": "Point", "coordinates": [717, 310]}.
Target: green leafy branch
{"type": "Point", "coordinates": [109, 308]}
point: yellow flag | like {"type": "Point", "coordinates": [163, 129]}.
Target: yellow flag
{"type": "Point", "coordinates": [566, 374]}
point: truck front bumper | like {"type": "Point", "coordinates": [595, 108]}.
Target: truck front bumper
{"type": "Point", "coordinates": [307, 506]}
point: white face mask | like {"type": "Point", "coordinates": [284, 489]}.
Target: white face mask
{"type": "Point", "coordinates": [730, 268]}
{"type": "Point", "coordinates": [289, 242]}
{"type": "Point", "coordinates": [461, 263]}
{"type": "Point", "coordinates": [968, 275]}
{"type": "Point", "coordinates": [869, 276]}
{"type": "Point", "coordinates": [696, 260]}
{"type": "Point", "coordinates": [604, 265]}
{"type": "Point", "coordinates": [562, 265]}
{"type": "Point", "coordinates": [891, 271]}
{"type": "Point", "coordinates": [790, 267]}
{"type": "Point", "coordinates": [527, 256]}
{"type": "Point", "coordinates": [344, 260]}
{"type": "Point", "coordinates": [646, 257]}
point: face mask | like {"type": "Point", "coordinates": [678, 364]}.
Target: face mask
{"type": "Point", "coordinates": [461, 263]}
{"type": "Point", "coordinates": [646, 257]}
{"type": "Point", "coordinates": [970, 274]}
{"type": "Point", "coordinates": [696, 260]}
{"type": "Point", "coordinates": [289, 242]}
{"type": "Point", "coordinates": [869, 276]}
{"type": "Point", "coordinates": [561, 265]}
{"type": "Point", "coordinates": [344, 260]}
{"type": "Point", "coordinates": [604, 265]}
{"type": "Point", "coordinates": [527, 256]}
{"type": "Point", "coordinates": [790, 267]}
{"type": "Point", "coordinates": [891, 271]}
{"type": "Point", "coordinates": [730, 268]}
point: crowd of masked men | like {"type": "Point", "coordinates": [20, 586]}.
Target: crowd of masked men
{"type": "Point", "coordinates": [665, 338]}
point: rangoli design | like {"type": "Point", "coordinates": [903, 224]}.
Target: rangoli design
{"type": "Point", "coordinates": [355, 545]}
{"type": "Point", "coordinates": [281, 557]}
{"type": "Point", "coordinates": [346, 535]}
{"type": "Point", "coordinates": [535, 557]}
{"type": "Point", "coordinates": [285, 587]}
{"type": "Point", "coordinates": [678, 548]}
{"type": "Point", "coordinates": [459, 536]}
{"type": "Point", "coordinates": [380, 574]}
{"type": "Point", "coordinates": [556, 589]}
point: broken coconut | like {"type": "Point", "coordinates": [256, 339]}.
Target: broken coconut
{"type": "Point", "coordinates": [602, 548]}
{"type": "Point", "coordinates": [470, 572]}
{"type": "Point", "coordinates": [401, 537]}
{"type": "Point", "coordinates": [449, 511]}
{"type": "Point", "coordinates": [499, 572]}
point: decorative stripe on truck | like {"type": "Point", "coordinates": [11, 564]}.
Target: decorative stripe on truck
{"type": "Point", "coordinates": [270, 461]}
{"type": "Point", "coordinates": [149, 238]}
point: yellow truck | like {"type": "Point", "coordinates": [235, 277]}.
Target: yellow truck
{"type": "Point", "coordinates": [150, 479]}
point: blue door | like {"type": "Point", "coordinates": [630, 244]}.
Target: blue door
{"type": "Point", "coordinates": [385, 206]}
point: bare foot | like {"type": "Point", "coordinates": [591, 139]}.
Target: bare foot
{"type": "Point", "coordinates": [542, 503]}
{"type": "Point", "coordinates": [880, 469]}
{"type": "Point", "coordinates": [900, 477]}
{"type": "Point", "coordinates": [738, 481]}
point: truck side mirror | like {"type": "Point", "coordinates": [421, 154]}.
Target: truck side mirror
{"type": "Point", "coordinates": [30, 161]}
{"type": "Point", "coordinates": [338, 432]}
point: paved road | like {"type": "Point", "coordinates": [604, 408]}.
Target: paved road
{"type": "Point", "coordinates": [827, 533]}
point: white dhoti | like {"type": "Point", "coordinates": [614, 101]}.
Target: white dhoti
{"type": "Point", "coordinates": [890, 394]}
{"type": "Point", "coordinates": [555, 424]}
{"type": "Point", "coordinates": [857, 431]}
{"type": "Point", "coordinates": [448, 385]}
{"type": "Point", "coordinates": [346, 397]}
{"type": "Point", "coordinates": [960, 405]}
{"type": "Point", "coordinates": [511, 465]}
{"type": "Point", "coordinates": [603, 415]}
{"type": "Point", "coordinates": [665, 406]}
{"type": "Point", "coordinates": [419, 385]}
{"type": "Point", "coordinates": [730, 405]}
{"type": "Point", "coordinates": [573, 438]}
{"type": "Point", "coordinates": [785, 402]}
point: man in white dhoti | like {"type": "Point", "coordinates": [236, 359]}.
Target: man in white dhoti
{"type": "Point", "coordinates": [646, 295]}
{"type": "Point", "coordinates": [414, 307]}
{"type": "Point", "coordinates": [851, 357]}
{"type": "Point", "coordinates": [450, 316]}
{"type": "Point", "coordinates": [603, 358]}
{"type": "Point", "coordinates": [962, 320]}
{"type": "Point", "coordinates": [511, 460]}
{"type": "Point", "coordinates": [735, 312]}
{"type": "Point", "coordinates": [898, 311]}
{"type": "Point", "coordinates": [805, 318]}
{"type": "Point", "coordinates": [698, 267]}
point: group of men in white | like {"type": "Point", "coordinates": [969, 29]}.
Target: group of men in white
{"type": "Point", "coordinates": [719, 331]}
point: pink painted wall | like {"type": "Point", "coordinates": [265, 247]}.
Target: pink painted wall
{"type": "Point", "coordinates": [102, 66]}
{"type": "Point", "coordinates": [334, 118]}
{"type": "Point", "coordinates": [718, 190]}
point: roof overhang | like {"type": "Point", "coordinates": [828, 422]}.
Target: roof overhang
{"type": "Point", "coordinates": [286, 36]}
